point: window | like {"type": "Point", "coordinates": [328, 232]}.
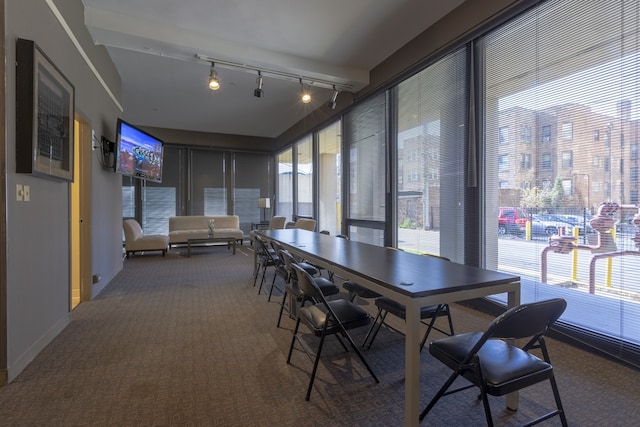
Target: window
{"type": "Point", "coordinates": [284, 204]}
{"type": "Point", "coordinates": [567, 131]}
{"type": "Point", "coordinates": [365, 140]}
{"type": "Point", "coordinates": [503, 135]}
{"type": "Point", "coordinates": [428, 122]}
{"type": "Point", "coordinates": [330, 177]}
{"type": "Point", "coordinates": [304, 177]}
{"type": "Point", "coordinates": [525, 161]}
{"type": "Point", "coordinates": [503, 163]}
{"type": "Point", "coordinates": [546, 133]}
{"type": "Point", "coordinates": [551, 65]}
{"type": "Point", "coordinates": [525, 133]}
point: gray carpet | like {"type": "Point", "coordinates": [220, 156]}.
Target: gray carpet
{"type": "Point", "coordinates": [177, 341]}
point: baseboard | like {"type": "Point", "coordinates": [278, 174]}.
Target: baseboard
{"type": "Point", "coordinates": [27, 357]}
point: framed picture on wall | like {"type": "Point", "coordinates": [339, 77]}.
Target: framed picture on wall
{"type": "Point", "coordinates": [44, 115]}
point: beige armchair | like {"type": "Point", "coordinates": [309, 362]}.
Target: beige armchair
{"type": "Point", "coordinates": [277, 223]}
{"type": "Point", "coordinates": [136, 241]}
{"type": "Point", "coordinates": [305, 224]}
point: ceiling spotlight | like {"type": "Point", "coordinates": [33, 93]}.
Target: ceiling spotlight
{"type": "Point", "coordinates": [258, 92]}
{"type": "Point", "coordinates": [214, 83]}
{"type": "Point", "coordinates": [305, 96]}
{"type": "Point", "coordinates": [332, 102]}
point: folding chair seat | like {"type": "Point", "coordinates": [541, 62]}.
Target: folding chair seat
{"type": "Point", "coordinates": [325, 318]}
{"type": "Point", "coordinates": [498, 367]}
{"type": "Point", "coordinates": [387, 305]}
{"type": "Point", "coordinates": [292, 289]}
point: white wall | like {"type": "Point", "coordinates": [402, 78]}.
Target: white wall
{"type": "Point", "coordinates": [38, 258]}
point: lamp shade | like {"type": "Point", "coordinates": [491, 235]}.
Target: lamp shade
{"type": "Point", "coordinates": [264, 202]}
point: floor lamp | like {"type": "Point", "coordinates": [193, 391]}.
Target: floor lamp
{"type": "Point", "coordinates": [264, 203]}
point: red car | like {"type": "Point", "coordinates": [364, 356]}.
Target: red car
{"type": "Point", "coordinates": [512, 220]}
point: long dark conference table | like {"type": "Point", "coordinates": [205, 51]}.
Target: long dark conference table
{"type": "Point", "coordinates": [410, 279]}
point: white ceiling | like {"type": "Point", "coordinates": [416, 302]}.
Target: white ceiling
{"type": "Point", "coordinates": [156, 44]}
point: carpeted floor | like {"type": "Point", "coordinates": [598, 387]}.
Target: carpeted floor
{"type": "Point", "coordinates": [177, 341]}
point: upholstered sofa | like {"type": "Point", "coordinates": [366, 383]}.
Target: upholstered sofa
{"type": "Point", "coordinates": [183, 228]}
{"type": "Point", "coordinates": [136, 241]}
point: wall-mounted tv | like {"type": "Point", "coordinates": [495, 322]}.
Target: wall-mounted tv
{"type": "Point", "coordinates": [138, 154]}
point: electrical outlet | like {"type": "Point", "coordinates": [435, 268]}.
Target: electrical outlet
{"type": "Point", "coordinates": [19, 192]}
{"type": "Point", "coordinates": [26, 191]}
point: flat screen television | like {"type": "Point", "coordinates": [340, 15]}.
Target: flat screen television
{"type": "Point", "coordinates": [138, 154]}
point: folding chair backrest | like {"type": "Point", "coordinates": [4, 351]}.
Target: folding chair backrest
{"type": "Point", "coordinates": [288, 260]}
{"type": "Point", "coordinates": [526, 320]}
{"type": "Point", "coordinates": [308, 285]}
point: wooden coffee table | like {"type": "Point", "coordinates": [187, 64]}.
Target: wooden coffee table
{"type": "Point", "coordinates": [231, 242]}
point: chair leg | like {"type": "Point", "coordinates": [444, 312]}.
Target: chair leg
{"type": "Point", "coordinates": [382, 315]}
{"type": "Point", "coordinates": [438, 395]}
{"type": "Point", "coordinates": [284, 301]}
{"type": "Point", "coordinates": [293, 340]}
{"type": "Point", "coordinates": [360, 355]}
{"type": "Point", "coordinates": [485, 404]}
{"type": "Point", "coordinates": [556, 395]}
{"type": "Point", "coordinates": [315, 367]}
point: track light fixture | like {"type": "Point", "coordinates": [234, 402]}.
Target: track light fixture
{"type": "Point", "coordinates": [214, 83]}
{"type": "Point", "coordinates": [332, 102]}
{"type": "Point", "coordinates": [258, 92]}
{"type": "Point", "coordinates": [305, 96]}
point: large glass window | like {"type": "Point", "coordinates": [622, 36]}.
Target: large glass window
{"type": "Point", "coordinates": [571, 68]}
{"type": "Point", "coordinates": [304, 176]}
{"type": "Point", "coordinates": [284, 195]}
{"type": "Point", "coordinates": [365, 136]}
{"type": "Point", "coordinates": [330, 176]}
{"type": "Point", "coordinates": [430, 158]}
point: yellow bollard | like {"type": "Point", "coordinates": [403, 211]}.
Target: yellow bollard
{"type": "Point", "coordinates": [610, 260]}
{"type": "Point", "coordinates": [527, 230]}
{"type": "Point", "coordinates": [574, 267]}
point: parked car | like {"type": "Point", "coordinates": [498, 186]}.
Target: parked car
{"type": "Point", "coordinates": [542, 225]}
{"type": "Point", "coordinates": [575, 221]}
{"type": "Point", "coordinates": [512, 220]}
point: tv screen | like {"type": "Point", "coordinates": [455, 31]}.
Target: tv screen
{"type": "Point", "coordinates": [138, 154]}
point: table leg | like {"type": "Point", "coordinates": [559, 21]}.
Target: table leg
{"type": "Point", "coordinates": [412, 365]}
{"type": "Point", "coordinates": [513, 299]}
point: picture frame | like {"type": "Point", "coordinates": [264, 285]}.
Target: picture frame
{"type": "Point", "coordinates": [45, 102]}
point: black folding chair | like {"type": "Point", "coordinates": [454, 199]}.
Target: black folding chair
{"type": "Point", "coordinates": [327, 318]}
{"type": "Point", "coordinates": [292, 289]}
{"type": "Point", "coordinates": [498, 367]}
